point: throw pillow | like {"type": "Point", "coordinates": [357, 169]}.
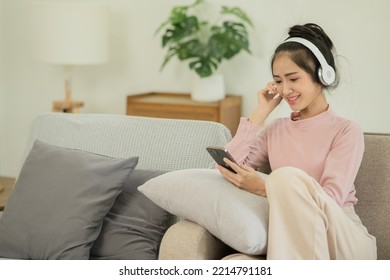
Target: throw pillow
{"type": "Point", "coordinates": [236, 217]}
{"type": "Point", "coordinates": [134, 227]}
{"type": "Point", "coordinates": [59, 201]}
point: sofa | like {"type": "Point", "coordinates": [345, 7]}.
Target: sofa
{"type": "Point", "coordinates": [161, 147]}
{"type": "Point", "coordinates": [189, 240]}
{"type": "Point", "coordinates": [155, 145]}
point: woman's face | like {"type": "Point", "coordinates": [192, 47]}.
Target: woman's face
{"type": "Point", "coordinates": [297, 87]}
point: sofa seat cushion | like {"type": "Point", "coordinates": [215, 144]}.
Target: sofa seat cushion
{"type": "Point", "coordinates": [60, 198]}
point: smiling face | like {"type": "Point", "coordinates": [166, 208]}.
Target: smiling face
{"type": "Point", "coordinates": [297, 87]}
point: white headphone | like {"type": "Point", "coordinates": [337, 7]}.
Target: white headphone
{"type": "Point", "coordinates": [326, 73]}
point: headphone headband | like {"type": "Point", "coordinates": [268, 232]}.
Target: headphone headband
{"type": "Point", "coordinates": [326, 72]}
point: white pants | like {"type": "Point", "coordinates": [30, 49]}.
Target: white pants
{"type": "Point", "coordinates": [306, 223]}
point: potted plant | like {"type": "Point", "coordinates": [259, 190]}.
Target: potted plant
{"type": "Point", "coordinates": [205, 45]}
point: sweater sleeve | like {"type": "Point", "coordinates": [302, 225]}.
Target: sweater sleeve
{"type": "Point", "coordinates": [342, 165]}
{"type": "Point", "coordinates": [248, 146]}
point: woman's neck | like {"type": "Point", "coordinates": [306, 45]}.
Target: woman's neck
{"type": "Point", "coordinates": [318, 106]}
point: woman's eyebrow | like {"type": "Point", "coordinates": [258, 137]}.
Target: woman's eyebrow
{"type": "Point", "coordinates": [286, 75]}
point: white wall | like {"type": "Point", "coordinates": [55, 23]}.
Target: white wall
{"type": "Point", "coordinates": [360, 30]}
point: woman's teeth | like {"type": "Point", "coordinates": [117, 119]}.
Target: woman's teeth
{"type": "Point", "coordinates": [292, 99]}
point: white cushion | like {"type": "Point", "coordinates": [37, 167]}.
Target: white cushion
{"type": "Point", "coordinates": [236, 217]}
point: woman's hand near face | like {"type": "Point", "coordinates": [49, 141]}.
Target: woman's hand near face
{"type": "Point", "coordinates": [246, 178]}
{"type": "Point", "coordinates": [269, 99]}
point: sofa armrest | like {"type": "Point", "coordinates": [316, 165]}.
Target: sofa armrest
{"type": "Point", "coordinates": [186, 240]}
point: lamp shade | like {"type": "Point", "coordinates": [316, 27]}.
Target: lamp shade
{"type": "Point", "coordinates": [69, 33]}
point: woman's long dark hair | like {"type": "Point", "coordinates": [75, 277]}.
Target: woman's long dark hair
{"type": "Point", "coordinates": [302, 56]}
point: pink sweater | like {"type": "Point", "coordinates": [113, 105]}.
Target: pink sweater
{"type": "Point", "coordinates": [327, 147]}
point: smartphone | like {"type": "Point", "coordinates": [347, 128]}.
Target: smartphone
{"type": "Point", "coordinates": [218, 154]}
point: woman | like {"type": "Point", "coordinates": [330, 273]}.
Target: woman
{"type": "Point", "coordinates": [314, 156]}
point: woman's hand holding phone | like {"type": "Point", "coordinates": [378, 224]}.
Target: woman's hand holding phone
{"type": "Point", "coordinates": [242, 176]}
{"type": "Point", "coordinates": [218, 154]}
{"type": "Point", "coordinates": [245, 177]}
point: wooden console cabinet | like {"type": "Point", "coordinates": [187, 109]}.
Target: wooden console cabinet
{"type": "Point", "coordinates": [6, 187]}
{"type": "Point", "coordinates": [181, 106]}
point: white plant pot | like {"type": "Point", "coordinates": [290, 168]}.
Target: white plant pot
{"type": "Point", "coordinates": [209, 89]}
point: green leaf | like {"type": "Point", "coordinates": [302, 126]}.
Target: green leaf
{"type": "Point", "coordinates": [204, 67]}
{"type": "Point", "coordinates": [185, 28]}
{"type": "Point", "coordinates": [236, 12]}
{"type": "Point", "coordinates": [171, 52]}
{"type": "Point", "coordinates": [218, 46]}
{"type": "Point", "coordinates": [236, 37]}
{"type": "Point", "coordinates": [178, 14]}
{"type": "Point", "coordinates": [191, 49]}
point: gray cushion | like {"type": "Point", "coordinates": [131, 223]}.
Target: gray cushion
{"type": "Point", "coordinates": [134, 227]}
{"type": "Point", "coordinates": [60, 199]}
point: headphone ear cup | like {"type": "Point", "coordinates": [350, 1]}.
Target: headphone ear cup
{"type": "Point", "coordinates": [326, 75]}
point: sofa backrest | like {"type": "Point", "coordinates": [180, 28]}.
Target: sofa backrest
{"type": "Point", "coordinates": [373, 190]}
{"type": "Point", "coordinates": [168, 144]}
{"type": "Point", "coordinates": [161, 144]}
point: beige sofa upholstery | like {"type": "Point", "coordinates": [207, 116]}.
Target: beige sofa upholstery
{"type": "Point", "coordinates": [187, 240]}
